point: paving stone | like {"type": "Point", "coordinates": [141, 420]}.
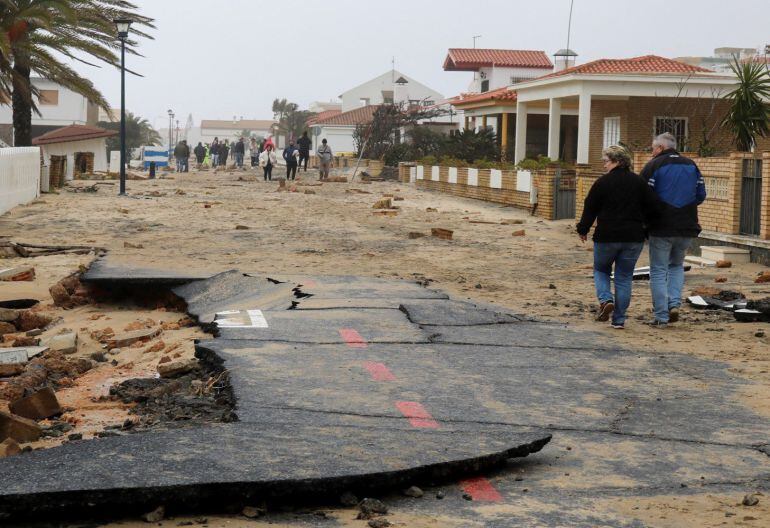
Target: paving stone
{"type": "Point", "coordinates": [38, 406]}
{"type": "Point", "coordinates": [65, 343]}
{"type": "Point", "coordinates": [18, 428]}
{"type": "Point", "coordinates": [8, 315]}
{"type": "Point", "coordinates": [171, 369]}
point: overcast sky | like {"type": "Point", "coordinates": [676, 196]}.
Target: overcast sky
{"type": "Point", "coordinates": [225, 58]}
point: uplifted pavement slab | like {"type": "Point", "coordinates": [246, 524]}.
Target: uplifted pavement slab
{"type": "Point", "coordinates": [232, 464]}
{"type": "Point", "coordinates": [350, 286]}
{"type": "Point", "coordinates": [109, 271]}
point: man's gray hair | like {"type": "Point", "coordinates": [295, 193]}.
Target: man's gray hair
{"type": "Point", "coordinates": [665, 140]}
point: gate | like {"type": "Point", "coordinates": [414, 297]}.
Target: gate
{"type": "Point", "coordinates": [751, 197]}
{"type": "Point", "coordinates": [564, 193]}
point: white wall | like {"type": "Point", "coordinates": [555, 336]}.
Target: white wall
{"type": "Point", "coordinates": [340, 139]}
{"type": "Point", "coordinates": [19, 176]}
{"type": "Point", "coordinates": [373, 89]}
{"type": "Point", "coordinates": [499, 77]}
{"type": "Point", "coordinates": [71, 110]}
{"type": "Point", "coordinates": [97, 146]}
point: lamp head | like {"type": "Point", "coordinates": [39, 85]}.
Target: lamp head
{"type": "Point", "coordinates": [123, 25]}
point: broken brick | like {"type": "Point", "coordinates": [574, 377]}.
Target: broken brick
{"type": "Point", "coordinates": [764, 277]}
{"type": "Point", "coordinates": [17, 274]}
{"type": "Point", "coordinates": [177, 368]}
{"type": "Point", "coordinates": [19, 428]}
{"type": "Point", "coordinates": [724, 264]}
{"type": "Point", "coordinates": [9, 447]}
{"type": "Point", "coordinates": [519, 233]}
{"type": "Point", "coordinates": [443, 234]}
{"type": "Point", "coordinates": [39, 406]}
{"type": "Point", "coordinates": [6, 328]}
{"type": "Point", "coordinates": [130, 338]}
{"type": "Point", "coordinates": [29, 320]}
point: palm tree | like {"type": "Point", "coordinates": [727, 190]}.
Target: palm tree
{"type": "Point", "coordinates": [749, 114]}
{"type": "Point", "coordinates": [36, 34]}
{"type": "Point", "coordinates": [139, 132]}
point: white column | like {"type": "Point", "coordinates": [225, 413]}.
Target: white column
{"type": "Point", "coordinates": [554, 128]}
{"type": "Point", "coordinates": [584, 127]}
{"type": "Point", "coordinates": [521, 131]}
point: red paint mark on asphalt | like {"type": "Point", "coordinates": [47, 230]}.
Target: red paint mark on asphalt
{"type": "Point", "coordinates": [480, 489]}
{"type": "Point", "coordinates": [379, 371]}
{"type": "Point", "coordinates": [417, 415]}
{"type": "Point", "coordinates": [310, 283]}
{"type": "Point", "coordinates": [352, 338]}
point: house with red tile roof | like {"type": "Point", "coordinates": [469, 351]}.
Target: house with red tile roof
{"type": "Point", "coordinates": [497, 68]}
{"type": "Point", "coordinates": [76, 148]}
{"type": "Point", "coordinates": [572, 113]}
{"type": "Point", "coordinates": [337, 127]}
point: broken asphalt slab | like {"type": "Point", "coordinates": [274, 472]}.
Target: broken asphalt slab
{"type": "Point", "coordinates": [350, 383]}
{"type": "Point", "coordinates": [108, 271]}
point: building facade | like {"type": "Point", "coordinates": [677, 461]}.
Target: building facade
{"type": "Point", "coordinates": [392, 87]}
{"type": "Point", "coordinates": [59, 107]}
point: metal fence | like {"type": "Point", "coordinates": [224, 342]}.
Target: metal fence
{"type": "Point", "coordinates": [19, 176]}
{"type": "Point", "coordinates": [751, 197]}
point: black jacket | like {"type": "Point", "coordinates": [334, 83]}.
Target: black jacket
{"type": "Point", "coordinates": [200, 151]}
{"type": "Point", "coordinates": [304, 145]}
{"type": "Point", "coordinates": [239, 148]}
{"type": "Point", "coordinates": [679, 185]}
{"type": "Point", "coordinates": [621, 203]}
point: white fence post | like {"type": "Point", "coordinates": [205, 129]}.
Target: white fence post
{"type": "Point", "coordinates": [19, 176]}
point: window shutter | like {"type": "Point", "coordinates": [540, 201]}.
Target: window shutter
{"type": "Point", "coordinates": [611, 131]}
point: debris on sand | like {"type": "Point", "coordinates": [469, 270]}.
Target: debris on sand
{"type": "Point", "coordinates": [51, 370]}
{"type": "Point", "coordinates": [369, 508]}
{"type": "Point", "coordinates": [37, 406]}
{"type": "Point", "coordinates": [443, 234]}
{"type": "Point", "coordinates": [17, 274]}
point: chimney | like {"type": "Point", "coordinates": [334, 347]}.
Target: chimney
{"type": "Point", "coordinates": [563, 59]}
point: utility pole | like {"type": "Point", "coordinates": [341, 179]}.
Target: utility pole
{"type": "Point", "coordinates": [474, 40]}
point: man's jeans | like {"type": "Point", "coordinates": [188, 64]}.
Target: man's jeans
{"type": "Point", "coordinates": [239, 159]}
{"type": "Point", "coordinates": [624, 255]}
{"type": "Point", "coordinates": [179, 164]}
{"type": "Point", "coordinates": [667, 273]}
{"type": "Point", "coordinates": [214, 160]}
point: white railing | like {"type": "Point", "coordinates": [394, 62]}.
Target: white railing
{"type": "Point", "coordinates": [19, 176]}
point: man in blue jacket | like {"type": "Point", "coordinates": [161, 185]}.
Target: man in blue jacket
{"type": "Point", "coordinates": [679, 185]}
{"type": "Point", "coordinates": [290, 154]}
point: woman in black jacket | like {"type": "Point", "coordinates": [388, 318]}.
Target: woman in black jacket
{"type": "Point", "coordinates": [621, 203]}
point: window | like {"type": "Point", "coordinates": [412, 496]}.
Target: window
{"type": "Point", "coordinates": [49, 97]}
{"type": "Point", "coordinates": [485, 86]}
{"type": "Point", "coordinates": [428, 102]}
{"type": "Point", "coordinates": [611, 131]}
{"type": "Point", "coordinates": [364, 101]}
{"type": "Point", "coordinates": [517, 79]}
{"type": "Point", "coordinates": [676, 126]}
{"type": "Point", "coordinates": [387, 96]}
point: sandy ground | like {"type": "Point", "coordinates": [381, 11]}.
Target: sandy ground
{"type": "Point", "coordinates": [188, 221]}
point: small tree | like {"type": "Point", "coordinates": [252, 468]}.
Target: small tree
{"type": "Point", "coordinates": [139, 133]}
{"type": "Point", "coordinates": [291, 120]}
{"type": "Point", "coordinates": [749, 116]}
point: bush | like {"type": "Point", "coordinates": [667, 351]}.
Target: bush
{"type": "Point", "coordinates": [427, 142]}
{"type": "Point", "coordinates": [398, 153]}
{"type": "Point", "coordinates": [428, 160]}
{"type": "Point", "coordinates": [449, 161]}
{"type": "Point", "coordinates": [469, 145]}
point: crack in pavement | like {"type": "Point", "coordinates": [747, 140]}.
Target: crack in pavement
{"type": "Point", "coordinates": [762, 448]}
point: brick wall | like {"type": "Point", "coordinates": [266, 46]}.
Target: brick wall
{"type": "Point", "coordinates": [765, 212]}
{"type": "Point", "coordinates": [542, 180]}
{"type": "Point", "coordinates": [637, 121]}
{"type": "Point", "coordinates": [721, 210]}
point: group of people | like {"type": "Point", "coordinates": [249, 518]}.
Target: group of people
{"type": "Point", "coordinates": [660, 204]}
{"type": "Point", "coordinates": [262, 155]}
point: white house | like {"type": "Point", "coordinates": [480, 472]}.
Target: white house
{"type": "Point", "coordinates": [75, 149]}
{"type": "Point", "coordinates": [59, 107]}
{"type": "Point", "coordinates": [232, 129]}
{"type": "Point", "coordinates": [392, 87]}
{"type": "Point", "coordinates": [360, 103]}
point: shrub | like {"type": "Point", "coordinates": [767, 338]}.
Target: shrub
{"type": "Point", "coordinates": [449, 161]}
{"type": "Point", "coordinates": [398, 153]}
{"type": "Point", "coordinates": [428, 160]}
{"type": "Point", "coordinates": [469, 145]}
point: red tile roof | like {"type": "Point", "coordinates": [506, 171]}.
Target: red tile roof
{"type": "Point", "coordinates": [73, 133]}
{"type": "Point", "coordinates": [321, 116]}
{"type": "Point", "coordinates": [500, 94]}
{"type": "Point", "coordinates": [647, 65]}
{"type": "Point", "coordinates": [359, 116]}
{"type": "Point", "coordinates": [465, 59]}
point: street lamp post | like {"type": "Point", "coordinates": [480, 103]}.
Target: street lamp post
{"type": "Point", "coordinates": [170, 133]}
{"type": "Point", "coordinates": [123, 26]}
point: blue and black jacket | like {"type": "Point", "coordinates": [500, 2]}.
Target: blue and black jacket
{"type": "Point", "coordinates": [679, 185]}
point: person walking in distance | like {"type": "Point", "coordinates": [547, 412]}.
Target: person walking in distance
{"type": "Point", "coordinates": [179, 152]}
{"type": "Point", "coordinates": [254, 152]}
{"type": "Point", "coordinates": [680, 188]}
{"type": "Point", "coordinates": [239, 151]}
{"type": "Point", "coordinates": [621, 203]}
{"type": "Point", "coordinates": [214, 151]}
{"type": "Point", "coordinates": [304, 144]}
{"type": "Point", "coordinates": [224, 151]}
{"type": "Point", "coordinates": [325, 157]}
{"type": "Point", "coordinates": [267, 161]}
{"type": "Point", "coordinates": [290, 156]}
{"type": "Point", "coordinates": [200, 154]}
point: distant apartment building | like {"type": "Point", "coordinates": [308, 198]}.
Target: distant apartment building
{"type": "Point", "coordinates": [497, 68]}
{"type": "Point", "coordinates": [59, 107]}
{"type": "Point", "coordinates": [723, 57]}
